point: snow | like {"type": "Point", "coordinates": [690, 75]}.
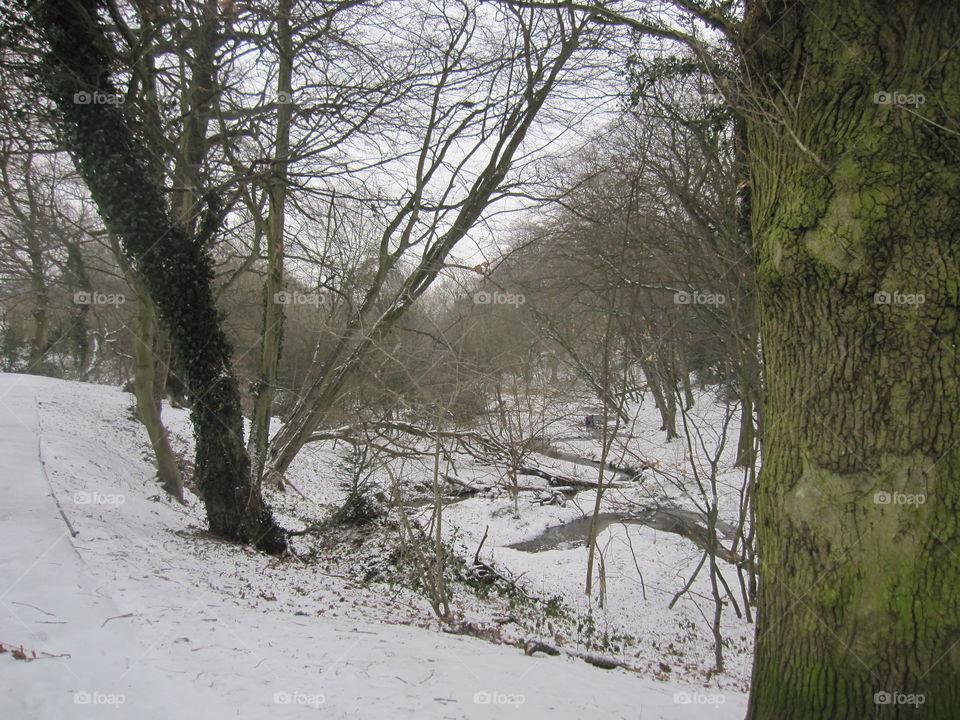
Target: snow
{"type": "Point", "coordinates": [142, 615]}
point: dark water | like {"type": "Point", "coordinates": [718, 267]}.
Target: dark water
{"type": "Point", "coordinates": [573, 534]}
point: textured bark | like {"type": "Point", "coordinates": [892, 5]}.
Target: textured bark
{"type": "Point", "coordinates": [852, 197]}
{"type": "Point", "coordinates": [109, 151]}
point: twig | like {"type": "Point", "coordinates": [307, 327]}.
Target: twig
{"type": "Point", "coordinates": [116, 617]}
{"type": "Point", "coordinates": [15, 602]}
{"type": "Point", "coordinates": [476, 555]}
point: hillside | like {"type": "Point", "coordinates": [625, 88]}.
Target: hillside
{"type": "Point", "coordinates": [141, 615]}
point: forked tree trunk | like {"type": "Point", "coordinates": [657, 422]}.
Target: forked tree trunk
{"type": "Point", "coordinates": [111, 157]}
{"type": "Point", "coordinates": [855, 195]}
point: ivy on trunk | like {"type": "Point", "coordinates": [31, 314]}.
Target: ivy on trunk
{"type": "Point", "coordinates": [112, 157]}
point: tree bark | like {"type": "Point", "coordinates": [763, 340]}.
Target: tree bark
{"type": "Point", "coordinates": [856, 194]}
{"type": "Point", "coordinates": [110, 154]}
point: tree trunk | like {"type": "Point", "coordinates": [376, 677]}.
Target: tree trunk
{"type": "Point", "coordinates": [149, 379]}
{"type": "Point", "coordinates": [745, 320]}
{"type": "Point", "coordinates": [746, 454]}
{"type": "Point", "coordinates": [110, 155]}
{"type": "Point", "coordinates": [75, 279]}
{"type": "Point", "coordinates": [669, 411]}
{"type": "Point", "coordinates": [271, 344]}
{"type": "Point", "coordinates": [749, 378]}
{"type": "Point", "coordinates": [856, 194]}
{"type": "Point", "coordinates": [145, 389]}
{"type": "Point", "coordinates": [688, 399]}
{"type": "Point", "coordinates": [38, 286]}
{"type": "Point", "coordinates": [653, 383]}
{"type": "Point", "coordinates": [198, 103]}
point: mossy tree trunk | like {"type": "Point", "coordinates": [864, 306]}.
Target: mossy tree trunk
{"type": "Point", "coordinates": [854, 196]}
{"type": "Point", "coordinates": [109, 151]}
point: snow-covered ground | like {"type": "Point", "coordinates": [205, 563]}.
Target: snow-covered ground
{"type": "Point", "coordinates": [141, 615]}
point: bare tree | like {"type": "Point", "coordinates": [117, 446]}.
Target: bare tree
{"type": "Point", "coordinates": [475, 120]}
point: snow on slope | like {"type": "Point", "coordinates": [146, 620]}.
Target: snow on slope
{"type": "Point", "coordinates": [140, 615]}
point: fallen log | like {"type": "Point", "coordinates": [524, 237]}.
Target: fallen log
{"type": "Point", "coordinates": [463, 488]}
{"type": "Point", "coordinates": [562, 480]}
{"type": "Point", "coordinates": [534, 646]}
{"type": "Point", "coordinates": [625, 471]}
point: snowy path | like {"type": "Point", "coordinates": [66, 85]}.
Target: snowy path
{"type": "Point", "coordinates": [48, 603]}
{"type": "Point", "coordinates": [184, 649]}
